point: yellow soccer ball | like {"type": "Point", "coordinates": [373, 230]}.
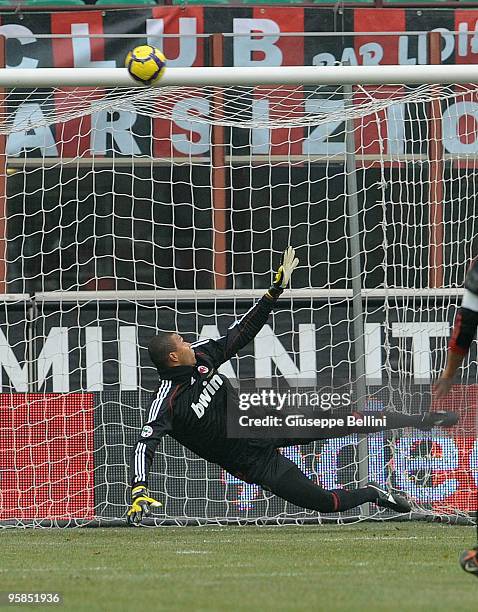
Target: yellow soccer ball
{"type": "Point", "coordinates": [146, 64]}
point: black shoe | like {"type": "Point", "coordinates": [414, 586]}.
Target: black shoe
{"type": "Point", "coordinates": [387, 499]}
{"type": "Point", "coordinates": [469, 561]}
{"type": "Point", "coordinates": [439, 419]}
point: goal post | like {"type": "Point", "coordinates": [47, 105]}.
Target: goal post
{"type": "Point", "coordinates": [133, 209]}
{"type": "Point", "coordinates": [238, 76]}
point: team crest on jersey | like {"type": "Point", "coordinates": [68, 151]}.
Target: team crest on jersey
{"type": "Point", "coordinates": [203, 369]}
{"type": "Point", "coordinates": [146, 431]}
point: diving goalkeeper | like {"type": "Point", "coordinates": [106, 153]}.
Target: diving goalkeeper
{"type": "Point", "coordinates": [185, 369]}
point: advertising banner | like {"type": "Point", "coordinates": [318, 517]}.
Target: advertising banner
{"type": "Point", "coordinates": [242, 26]}
{"type": "Point", "coordinates": [243, 46]}
{"type": "Point", "coordinates": [46, 445]}
{"type": "Point", "coordinates": [95, 383]}
{"type": "Point", "coordinates": [66, 456]}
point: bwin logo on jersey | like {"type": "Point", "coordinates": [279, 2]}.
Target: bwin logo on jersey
{"type": "Point", "coordinates": [206, 395]}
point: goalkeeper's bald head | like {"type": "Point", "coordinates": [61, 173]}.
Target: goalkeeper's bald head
{"type": "Point", "coordinates": [169, 349]}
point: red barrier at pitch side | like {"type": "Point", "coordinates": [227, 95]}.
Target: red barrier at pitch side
{"type": "Point", "coordinates": [46, 444]}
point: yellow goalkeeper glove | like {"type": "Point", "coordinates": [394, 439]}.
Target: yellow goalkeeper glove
{"type": "Point", "coordinates": [283, 274]}
{"type": "Point", "coordinates": [141, 505]}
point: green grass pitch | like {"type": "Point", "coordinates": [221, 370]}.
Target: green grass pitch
{"type": "Point", "coordinates": [367, 566]}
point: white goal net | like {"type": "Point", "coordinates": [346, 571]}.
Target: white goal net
{"type": "Point", "coordinates": [129, 211]}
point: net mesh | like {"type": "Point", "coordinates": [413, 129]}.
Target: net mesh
{"type": "Point", "coordinates": [117, 202]}
{"type": "Point", "coordinates": [288, 106]}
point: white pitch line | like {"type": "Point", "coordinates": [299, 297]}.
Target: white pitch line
{"type": "Point", "coordinates": [193, 552]}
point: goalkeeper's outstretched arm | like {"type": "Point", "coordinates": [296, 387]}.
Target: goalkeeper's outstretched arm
{"type": "Point", "coordinates": [464, 331]}
{"type": "Point", "coordinates": [158, 425]}
{"type": "Point", "coordinates": [141, 501]}
{"type": "Point", "coordinates": [248, 326]}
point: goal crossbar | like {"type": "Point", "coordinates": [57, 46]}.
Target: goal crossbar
{"type": "Point", "coordinates": [226, 76]}
{"type": "Point", "coordinates": [178, 295]}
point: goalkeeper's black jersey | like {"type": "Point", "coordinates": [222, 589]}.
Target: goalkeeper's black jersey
{"type": "Point", "coordinates": [191, 403]}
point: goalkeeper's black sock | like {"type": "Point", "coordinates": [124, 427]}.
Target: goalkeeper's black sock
{"type": "Point", "coordinates": [395, 420]}
{"type": "Point", "coordinates": [425, 421]}
{"type": "Point", "coordinates": [295, 487]}
{"type": "Point", "coordinates": [349, 499]}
